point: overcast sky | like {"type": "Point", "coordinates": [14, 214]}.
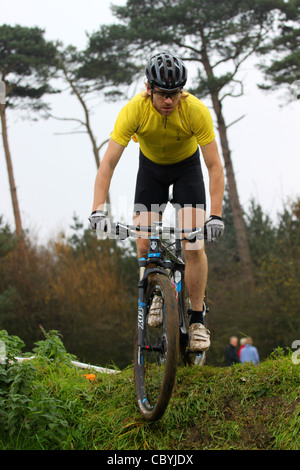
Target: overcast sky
{"type": "Point", "coordinates": [55, 173]}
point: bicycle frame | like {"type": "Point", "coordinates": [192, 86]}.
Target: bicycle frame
{"type": "Point", "coordinates": [153, 264]}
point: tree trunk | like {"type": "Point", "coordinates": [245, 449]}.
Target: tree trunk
{"type": "Point", "coordinates": [13, 189]}
{"type": "Point", "coordinates": [237, 214]}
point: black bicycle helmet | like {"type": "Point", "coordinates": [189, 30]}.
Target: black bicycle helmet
{"type": "Point", "coordinates": [166, 71]}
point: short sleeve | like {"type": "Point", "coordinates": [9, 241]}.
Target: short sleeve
{"type": "Point", "coordinates": [126, 123]}
{"type": "Point", "coordinates": [201, 122]}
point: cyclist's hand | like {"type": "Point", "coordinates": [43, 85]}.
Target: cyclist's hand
{"type": "Point", "coordinates": [214, 228]}
{"type": "Point", "coordinates": [101, 223]}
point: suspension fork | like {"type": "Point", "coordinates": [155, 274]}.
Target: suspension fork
{"type": "Point", "coordinates": [153, 264]}
{"type": "Point", "coordinates": [178, 278]}
{"type": "Point", "coordinates": [142, 306]}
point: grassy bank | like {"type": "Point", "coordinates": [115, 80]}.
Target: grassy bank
{"type": "Point", "coordinates": [46, 403]}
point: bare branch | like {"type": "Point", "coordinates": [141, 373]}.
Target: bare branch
{"type": "Point", "coordinates": [232, 95]}
{"type": "Point", "coordinates": [103, 143]}
{"type": "Point", "coordinates": [69, 133]}
{"type": "Point", "coordinates": [82, 123]}
{"type": "Point", "coordinates": [236, 120]}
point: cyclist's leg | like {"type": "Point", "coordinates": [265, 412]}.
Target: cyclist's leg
{"type": "Point", "coordinates": [189, 194]}
{"type": "Point", "coordinates": [144, 218]}
{"type": "Point", "coordinates": [195, 279]}
{"type": "Point", "coordinates": [195, 257]}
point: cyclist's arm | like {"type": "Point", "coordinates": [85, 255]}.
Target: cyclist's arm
{"type": "Point", "coordinates": [216, 176]}
{"type": "Point", "coordinates": [105, 172]}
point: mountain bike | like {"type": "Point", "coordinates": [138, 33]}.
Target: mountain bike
{"type": "Point", "coordinates": [156, 349]}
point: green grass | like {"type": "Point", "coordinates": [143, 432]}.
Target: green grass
{"type": "Point", "coordinates": [48, 404]}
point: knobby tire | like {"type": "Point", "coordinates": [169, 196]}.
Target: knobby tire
{"type": "Point", "coordinates": [152, 399]}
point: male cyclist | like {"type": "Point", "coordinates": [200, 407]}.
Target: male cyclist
{"type": "Point", "coordinates": [169, 126]}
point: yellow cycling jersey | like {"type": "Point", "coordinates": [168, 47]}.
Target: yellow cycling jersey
{"type": "Point", "coordinates": [162, 139]}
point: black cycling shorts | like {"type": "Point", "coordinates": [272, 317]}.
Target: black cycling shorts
{"type": "Point", "coordinates": [153, 182]}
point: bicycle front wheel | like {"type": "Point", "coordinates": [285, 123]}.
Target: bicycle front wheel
{"type": "Point", "coordinates": [156, 353]}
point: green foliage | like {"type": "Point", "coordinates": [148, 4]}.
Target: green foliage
{"type": "Point", "coordinates": [27, 61]}
{"type": "Point", "coordinates": [210, 34]}
{"type": "Point", "coordinates": [53, 348]}
{"type": "Point", "coordinates": [13, 345]}
{"type": "Point", "coordinates": [25, 407]}
{"type": "Point", "coordinates": [7, 238]}
{"type": "Point", "coordinates": [269, 312]}
{"type": "Point", "coordinates": [7, 303]}
{"type": "Point", "coordinates": [81, 286]}
{"type": "Point", "coordinates": [281, 66]}
{"type": "Point", "coordinates": [107, 63]}
{"type": "Point", "coordinates": [50, 405]}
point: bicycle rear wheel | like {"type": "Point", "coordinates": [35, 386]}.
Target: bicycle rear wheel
{"type": "Point", "coordinates": [155, 359]}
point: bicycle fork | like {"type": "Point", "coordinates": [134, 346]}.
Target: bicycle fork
{"type": "Point", "coordinates": [153, 264]}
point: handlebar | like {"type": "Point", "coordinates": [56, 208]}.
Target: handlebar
{"type": "Point", "coordinates": [125, 231]}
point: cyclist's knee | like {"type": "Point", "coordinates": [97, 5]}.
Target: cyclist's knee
{"type": "Point", "coordinates": [144, 219]}
{"type": "Point", "coordinates": [142, 247]}
{"type": "Point", "coordinates": [194, 249]}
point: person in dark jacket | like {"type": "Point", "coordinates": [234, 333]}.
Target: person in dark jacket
{"type": "Point", "coordinates": [231, 352]}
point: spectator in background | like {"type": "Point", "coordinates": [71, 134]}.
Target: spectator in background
{"type": "Point", "coordinates": [242, 345]}
{"type": "Point", "coordinates": [249, 353]}
{"type": "Point", "coordinates": [231, 352]}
